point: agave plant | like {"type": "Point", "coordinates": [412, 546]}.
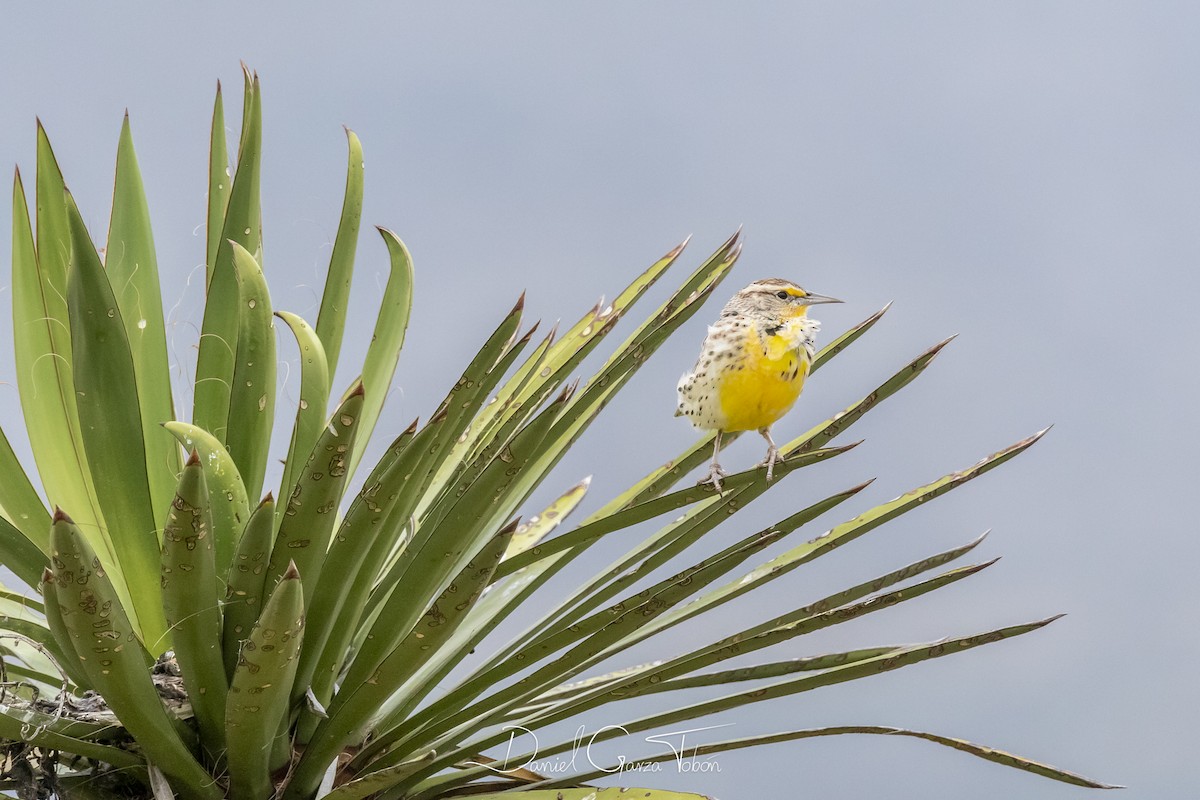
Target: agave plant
{"type": "Point", "coordinates": [181, 638]}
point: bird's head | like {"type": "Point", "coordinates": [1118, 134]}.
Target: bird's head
{"type": "Point", "coordinates": [774, 298]}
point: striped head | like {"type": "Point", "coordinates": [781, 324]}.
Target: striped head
{"type": "Point", "coordinates": [773, 299]}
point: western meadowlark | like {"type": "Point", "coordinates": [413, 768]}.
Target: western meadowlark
{"type": "Point", "coordinates": [752, 365]}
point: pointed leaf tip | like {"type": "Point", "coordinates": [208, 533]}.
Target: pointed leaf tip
{"type": "Point", "coordinates": [268, 498]}
{"type": "Point", "coordinates": [291, 573]}
{"type": "Point", "coordinates": [193, 459]}
{"type": "Point", "coordinates": [510, 527]}
{"type": "Point", "coordinates": [520, 306]}
{"type": "Point", "coordinates": [853, 490]}
{"type": "Point", "coordinates": [358, 390]}
{"type": "Point", "coordinates": [412, 428]}
{"type": "Point", "coordinates": [61, 516]}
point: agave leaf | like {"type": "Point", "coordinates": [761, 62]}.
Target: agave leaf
{"type": "Point", "coordinates": [588, 637]}
{"type": "Point", "coordinates": [230, 507]}
{"type": "Point", "coordinates": [220, 185]}
{"type": "Point", "coordinates": [754, 672]}
{"type": "Point", "coordinates": [246, 585]}
{"type": "Point", "coordinates": [314, 392]}
{"type": "Point", "coordinates": [539, 526]}
{"type": "Point", "coordinates": [457, 476]}
{"type": "Point", "coordinates": [114, 660]}
{"type": "Point", "coordinates": [632, 515]}
{"type": "Point", "coordinates": [795, 624]}
{"type": "Point", "coordinates": [463, 401]}
{"type": "Point", "coordinates": [846, 339]}
{"type": "Point", "coordinates": [841, 534]}
{"type": "Point", "coordinates": [252, 395]}
{"type": "Point", "coordinates": [261, 685]}
{"type": "Point", "coordinates": [42, 348]}
{"type": "Point", "coordinates": [69, 664]}
{"type": "Point", "coordinates": [352, 708]}
{"type": "Point", "coordinates": [189, 589]}
{"type": "Point", "coordinates": [836, 425]}
{"type": "Point", "coordinates": [497, 412]}
{"type": "Point", "coordinates": [661, 547]}
{"type": "Point", "coordinates": [547, 366]}
{"type": "Point", "coordinates": [243, 225]}
{"type": "Point", "coordinates": [696, 751]}
{"type": "Point", "coordinates": [43, 730]}
{"type": "Point", "coordinates": [311, 507]}
{"type": "Point", "coordinates": [341, 592]}
{"type": "Point", "coordinates": [483, 617]}
{"type": "Point", "coordinates": [331, 320]}
{"type": "Point", "coordinates": [625, 362]}
{"type": "Point", "coordinates": [36, 632]}
{"type": "Point", "coordinates": [107, 400]}
{"type": "Point", "coordinates": [589, 793]}
{"type": "Point", "coordinates": [21, 555]}
{"type": "Point", "coordinates": [388, 338]}
{"type": "Point", "coordinates": [426, 566]}
{"type": "Point", "coordinates": [132, 271]}
{"type": "Point", "coordinates": [904, 657]}
{"type": "Point", "coordinates": [19, 501]}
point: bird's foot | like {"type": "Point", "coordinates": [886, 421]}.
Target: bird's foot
{"type": "Point", "coordinates": [770, 461]}
{"type": "Point", "coordinates": [715, 473]}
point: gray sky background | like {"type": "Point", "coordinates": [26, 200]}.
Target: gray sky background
{"type": "Point", "coordinates": [1026, 175]}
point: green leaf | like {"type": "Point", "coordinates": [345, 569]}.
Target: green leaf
{"type": "Point", "coordinates": [699, 751]}
{"type": "Point", "coordinates": [311, 508]}
{"type": "Point", "coordinates": [861, 669]}
{"type": "Point", "coordinates": [588, 532]}
{"type": "Point", "coordinates": [132, 270]}
{"type": "Point", "coordinates": [843, 533]}
{"type": "Point", "coordinates": [331, 320]}
{"type": "Point", "coordinates": [189, 588]}
{"type": "Point", "coordinates": [20, 555]}
{"type": "Point", "coordinates": [258, 695]}
{"type": "Point", "coordinates": [69, 664]}
{"type": "Point", "coordinates": [611, 793]}
{"type": "Point", "coordinates": [243, 225]}
{"type": "Point", "coordinates": [846, 339]}
{"type": "Point", "coordinates": [107, 398]}
{"type": "Point", "coordinates": [19, 501]}
{"type": "Point", "coordinates": [371, 530]}
{"type": "Point", "coordinates": [42, 730]}
{"type": "Point", "coordinates": [220, 184]}
{"type": "Point", "coordinates": [426, 565]}
{"type": "Point", "coordinates": [314, 392]}
{"type": "Point", "coordinates": [836, 425]}
{"type": "Point", "coordinates": [252, 395]}
{"type": "Point", "coordinates": [246, 585]}
{"type": "Point", "coordinates": [387, 339]}
{"type": "Point", "coordinates": [660, 548]}
{"type": "Point", "coordinates": [539, 526]}
{"type": "Point", "coordinates": [114, 661]}
{"type": "Point", "coordinates": [351, 710]}
{"type": "Point", "coordinates": [230, 507]}
{"type": "Point", "coordinates": [42, 347]}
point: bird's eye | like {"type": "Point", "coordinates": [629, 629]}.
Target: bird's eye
{"type": "Point", "coordinates": [782, 295]}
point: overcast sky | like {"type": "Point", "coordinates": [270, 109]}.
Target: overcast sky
{"type": "Point", "coordinates": [1023, 174]}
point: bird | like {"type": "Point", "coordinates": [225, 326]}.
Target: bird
{"type": "Point", "coordinates": [752, 366]}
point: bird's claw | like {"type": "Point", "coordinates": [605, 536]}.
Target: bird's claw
{"type": "Point", "coordinates": [715, 473]}
{"type": "Point", "coordinates": [770, 461]}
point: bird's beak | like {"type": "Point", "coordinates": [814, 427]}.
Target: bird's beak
{"type": "Point", "coordinates": [812, 299]}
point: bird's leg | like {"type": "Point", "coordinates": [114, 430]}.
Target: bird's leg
{"type": "Point", "coordinates": [772, 454]}
{"type": "Point", "coordinates": [715, 473]}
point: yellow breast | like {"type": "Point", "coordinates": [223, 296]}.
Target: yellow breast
{"type": "Point", "coordinates": [763, 383]}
